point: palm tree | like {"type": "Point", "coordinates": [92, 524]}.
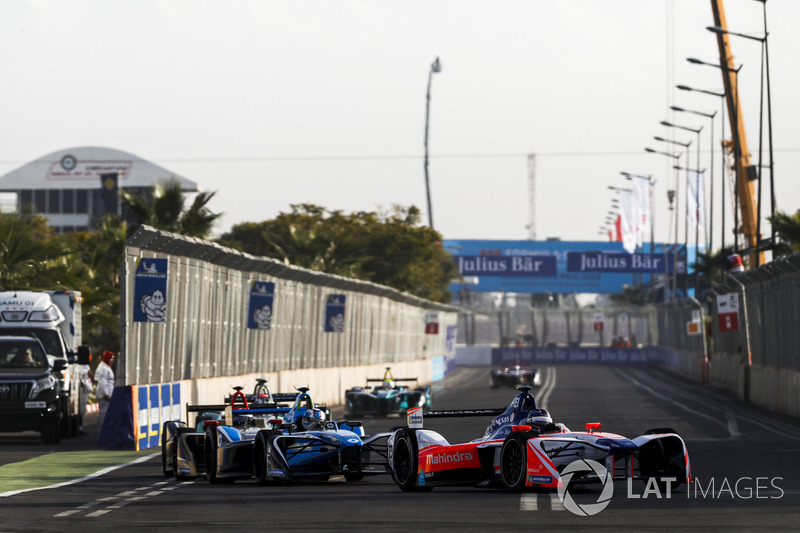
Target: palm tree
{"type": "Point", "coordinates": [163, 207]}
{"type": "Point", "coordinates": [711, 267]}
{"type": "Point", "coordinates": [31, 255]}
{"type": "Point", "coordinates": [787, 228]}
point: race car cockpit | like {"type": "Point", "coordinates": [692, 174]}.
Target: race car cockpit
{"type": "Point", "coordinates": [522, 411]}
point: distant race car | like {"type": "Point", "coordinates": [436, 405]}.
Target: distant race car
{"type": "Point", "coordinates": [183, 446]}
{"type": "Point", "coordinates": [310, 447]}
{"type": "Point", "coordinates": [523, 448]}
{"type": "Point", "coordinates": [263, 397]}
{"type": "Point", "coordinates": [515, 376]}
{"type": "Point", "coordinates": [389, 397]}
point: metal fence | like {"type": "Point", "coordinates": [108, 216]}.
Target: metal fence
{"type": "Point", "coordinates": [547, 326]}
{"type": "Point", "coordinates": [206, 335]}
{"type": "Point", "coordinates": [766, 330]}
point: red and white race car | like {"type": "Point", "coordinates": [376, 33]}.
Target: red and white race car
{"type": "Point", "coordinates": [523, 448]}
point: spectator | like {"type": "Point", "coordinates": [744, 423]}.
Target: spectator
{"type": "Point", "coordinates": [85, 372]}
{"type": "Point", "coordinates": [105, 386]}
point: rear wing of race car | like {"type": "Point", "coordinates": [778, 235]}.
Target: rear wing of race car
{"type": "Point", "coordinates": [381, 380]}
{"type": "Point", "coordinates": [416, 415]}
{"type": "Point", "coordinates": [225, 408]}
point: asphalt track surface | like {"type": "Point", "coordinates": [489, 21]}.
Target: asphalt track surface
{"type": "Point", "coordinates": [746, 462]}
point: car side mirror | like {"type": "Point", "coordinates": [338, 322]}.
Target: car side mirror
{"type": "Point", "coordinates": [60, 365]}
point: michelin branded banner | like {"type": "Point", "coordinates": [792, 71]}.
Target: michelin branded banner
{"type": "Point", "coordinates": [334, 313]}
{"type": "Point", "coordinates": [259, 313]}
{"type": "Point", "coordinates": [150, 290]}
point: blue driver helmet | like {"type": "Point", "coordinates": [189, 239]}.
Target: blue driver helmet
{"type": "Point", "coordinates": [314, 419]}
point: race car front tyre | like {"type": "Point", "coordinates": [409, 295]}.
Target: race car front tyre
{"type": "Point", "coordinates": [405, 461]}
{"type": "Point", "coordinates": [260, 446]}
{"type": "Point", "coordinates": [164, 467]}
{"type": "Point", "coordinates": [514, 460]}
{"type": "Point", "coordinates": [210, 456]}
{"type": "Point", "coordinates": [175, 445]}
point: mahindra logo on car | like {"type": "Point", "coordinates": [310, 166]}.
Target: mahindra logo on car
{"type": "Point", "coordinates": [445, 458]}
{"type": "Point", "coordinates": [5, 388]}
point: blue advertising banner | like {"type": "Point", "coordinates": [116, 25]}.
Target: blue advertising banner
{"type": "Point", "coordinates": [520, 265]}
{"type": "Point", "coordinates": [560, 281]}
{"type": "Point", "coordinates": [259, 307]}
{"type": "Point", "coordinates": [619, 263]}
{"type": "Point", "coordinates": [334, 313]}
{"type": "Point", "coordinates": [150, 290]}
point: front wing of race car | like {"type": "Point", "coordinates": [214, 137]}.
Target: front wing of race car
{"type": "Point", "coordinates": [317, 455]}
{"type": "Point", "coordinates": [500, 378]}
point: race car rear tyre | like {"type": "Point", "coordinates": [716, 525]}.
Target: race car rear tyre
{"type": "Point", "coordinates": [260, 466]}
{"type": "Point", "coordinates": [210, 456]}
{"type": "Point", "coordinates": [514, 460]}
{"type": "Point", "coordinates": [405, 461]}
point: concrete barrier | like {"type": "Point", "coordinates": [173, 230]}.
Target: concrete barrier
{"type": "Point", "coordinates": [474, 355]}
{"type": "Point", "coordinates": [775, 389]}
{"type": "Point", "coordinates": [724, 371]}
{"type": "Point", "coordinates": [137, 412]}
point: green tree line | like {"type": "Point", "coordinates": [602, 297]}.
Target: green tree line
{"type": "Point", "coordinates": [390, 248]}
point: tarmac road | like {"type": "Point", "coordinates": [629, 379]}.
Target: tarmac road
{"type": "Point", "coordinates": [745, 461]}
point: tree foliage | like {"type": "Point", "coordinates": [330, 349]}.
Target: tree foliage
{"type": "Point", "coordinates": [787, 229]}
{"type": "Point", "coordinates": [164, 207]}
{"type": "Point", "coordinates": [386, 248]}
{"type": "Point", "coordinates": [31, 255]}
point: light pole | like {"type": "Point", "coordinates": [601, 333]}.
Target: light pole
{"type": "Point", "coordinates": [672, 195]}
{"type": "Point", "coordinates": [697, 186]}
{"type": "Point", "coordinates": [435, 67]}
{"type": "Point", "coordinates": [710, 232]}
{"type": "Point", "coordinates": [765, 57]}
{"type": "Point", "coordinates": [721, 96]}
{"type": "Point", "coordinates": [725, 69]}
{"type": "Point", "coordinates": [686, 225]}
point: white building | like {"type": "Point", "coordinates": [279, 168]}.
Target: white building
{"type": "Point", "coordinates": [74, 186]}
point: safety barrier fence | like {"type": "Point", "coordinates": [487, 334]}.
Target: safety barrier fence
{"type": "Point", "coordinates": [546, 326]}
{"type": "Point", "coordinates": [755, 334]}
{"type": "Point", "coordinates": [200, 314]}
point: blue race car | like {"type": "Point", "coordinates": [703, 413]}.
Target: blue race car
{"type": "Point", "coordinates": [308, 446]}
{"type": "Point", "coordinates": [389, 397]}
{"type": "Point", "coordinates": [183, 447]}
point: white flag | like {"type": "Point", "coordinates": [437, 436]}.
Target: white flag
{"type": "Point", "coordinates": [695, 199]}
{"type": "Point", "coordinates": [629, 215]}
{"type": "Point", "coordinates": [643, 194]}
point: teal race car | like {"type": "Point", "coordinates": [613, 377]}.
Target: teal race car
{"type": "Point", "coordinates": [389, 397]}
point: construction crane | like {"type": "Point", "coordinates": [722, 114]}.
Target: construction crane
{"type": "Point", "coordinates": [745, 172]}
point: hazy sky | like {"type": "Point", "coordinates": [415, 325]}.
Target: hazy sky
{"type": "Point", "coordinates": [272, 103]}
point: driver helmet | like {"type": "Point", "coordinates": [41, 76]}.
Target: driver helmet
{"type": "Point", "coordinates": [388, 384]}
{"type": "Point", "coordinates": [541, 421]}
{"type": "Point", "coordinates": [314, 419]}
